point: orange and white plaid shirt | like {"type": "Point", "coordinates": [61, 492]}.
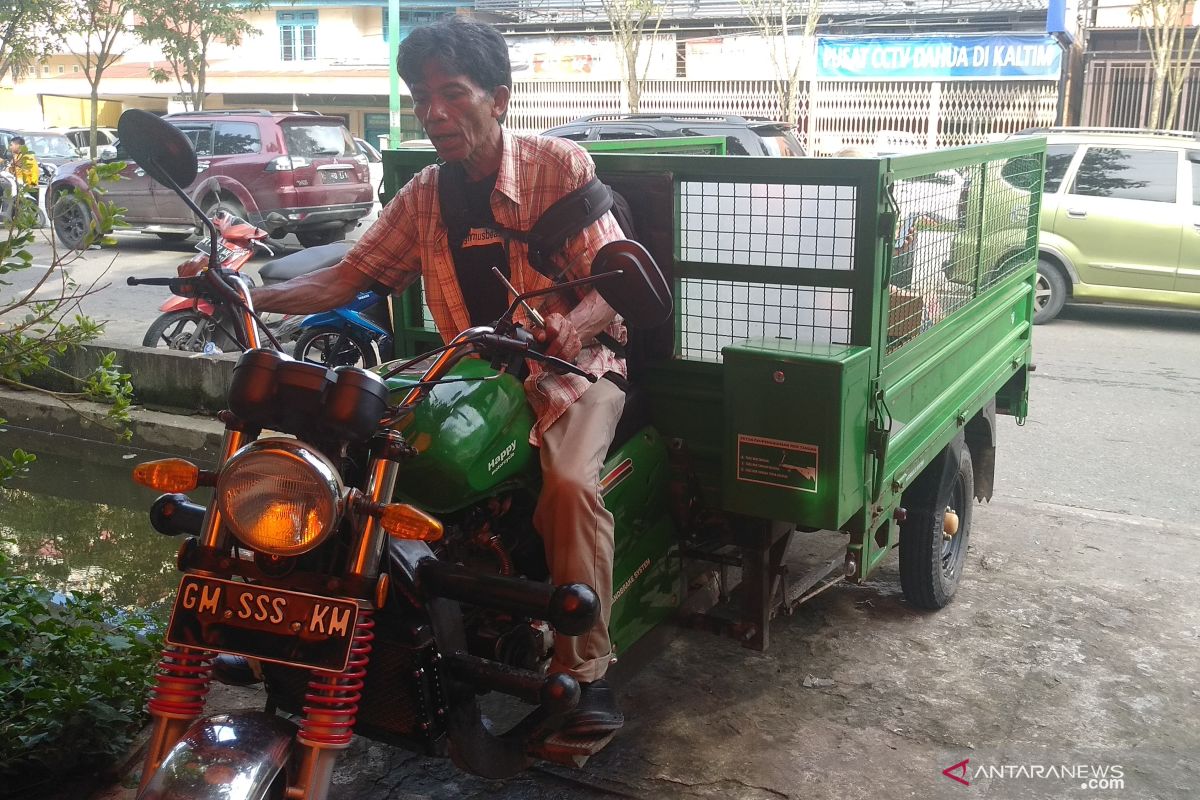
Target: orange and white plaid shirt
{"type": "Point", "coordinates": [410, 236]}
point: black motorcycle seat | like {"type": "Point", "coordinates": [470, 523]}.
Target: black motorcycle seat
{"type": "Point", "coordinates": [308, 260]}
{"type": "Point", "coordinates": [634, 417]}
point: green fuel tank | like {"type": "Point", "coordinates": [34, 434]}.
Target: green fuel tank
{"type": "Point", "coordinates": [472, 438]}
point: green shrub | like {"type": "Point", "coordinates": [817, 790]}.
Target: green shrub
{"type": "Point", "coordinates": [73, 681]}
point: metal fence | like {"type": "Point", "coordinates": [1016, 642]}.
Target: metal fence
{"type": "Point", "coordinates": [1117, 94]}
{"type": "Point", "coordinates": [833, 115]}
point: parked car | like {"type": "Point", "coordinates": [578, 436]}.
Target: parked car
{"type": "Point", "coordinates": [1120, 219]}
{"type": "Point", "coordinates": [51, 149]}
{"type": "Point", "coordinates": [744, 136]}
{"type": "Point", "coordinates": [106, 140]}
{"type": "Point", "coordinates": [374, 163]}
{"type": "Point", "coordinates": [284, 172]}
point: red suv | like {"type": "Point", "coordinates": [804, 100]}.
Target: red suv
{"type": "Point", "coordinates": [285, 172]}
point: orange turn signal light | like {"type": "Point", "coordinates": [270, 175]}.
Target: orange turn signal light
{"type": "Point", "coordinates": [168, 475]}
{"type": "Point", "coordinates": [402, 521]}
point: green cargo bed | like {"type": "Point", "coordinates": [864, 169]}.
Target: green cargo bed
{"type": "Point", "coordinates": [838, 321]}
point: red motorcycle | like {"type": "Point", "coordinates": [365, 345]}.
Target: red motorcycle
{"type": "Point", "coordinates": [192, 324]}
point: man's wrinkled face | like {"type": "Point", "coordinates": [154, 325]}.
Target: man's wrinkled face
{"type": "Point", "coordinates": [459, 116]}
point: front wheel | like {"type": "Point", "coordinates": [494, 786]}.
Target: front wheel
{"type": "Point", "coordinates": [934, 536]}
{"type": "Point", "coordinates": [180, 330]}
{"type": "Point", "coordinates": [333, 347]}
{"type": "Point", "coordinates": [72, 221]}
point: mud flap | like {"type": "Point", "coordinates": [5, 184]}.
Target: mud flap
{"type": "Point", "coordinates": [247, 750]}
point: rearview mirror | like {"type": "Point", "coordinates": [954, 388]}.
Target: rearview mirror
{"type": "Point", "coordinates": [640, 294]}
{"type": "Point", "coordinates": [158, 147]}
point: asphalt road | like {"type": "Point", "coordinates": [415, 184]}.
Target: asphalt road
{"type": "Point", "coordinates": [126, 311]}
{"type": "Point", "coordinates": [1114, 406]}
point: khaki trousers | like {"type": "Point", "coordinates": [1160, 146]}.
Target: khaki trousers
{"type": "Point", "coordinates": [574, 524]}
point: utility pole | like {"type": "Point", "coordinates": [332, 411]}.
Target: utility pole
{"type": "Point", "coordinates": [395, 132]}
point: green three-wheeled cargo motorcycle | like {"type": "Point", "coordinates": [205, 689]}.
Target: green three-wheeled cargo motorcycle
{"type": "Point", "coordinates": [844, 333]}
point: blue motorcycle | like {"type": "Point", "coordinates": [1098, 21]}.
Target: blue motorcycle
{"type": "Point", "coordinates": [353, 335]}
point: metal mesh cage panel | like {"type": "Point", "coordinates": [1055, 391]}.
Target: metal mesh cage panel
{"type": "Point", "coordinates": [959, 233]}
{"type": "Point", "coordinates": [714, 314]}
{"type": "Point", "coordinates": [767, 224]}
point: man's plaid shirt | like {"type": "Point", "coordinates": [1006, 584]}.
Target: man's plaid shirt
{"type": "Point", "coordinates": [535, 172]}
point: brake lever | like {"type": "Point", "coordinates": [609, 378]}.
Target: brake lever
{"type": "Point", "coordinates": [561, 365]}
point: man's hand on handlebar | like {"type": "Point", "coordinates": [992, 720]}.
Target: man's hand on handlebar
{"type": "Point", "coordinates": [560, 337]}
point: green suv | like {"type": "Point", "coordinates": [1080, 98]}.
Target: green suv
{"type": "Point", "coordinates": [1120, 219]}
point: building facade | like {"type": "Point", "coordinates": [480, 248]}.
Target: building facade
{"type": "Point", "coordinates": [334, 56]}
{"type": "Point", "coordinates": [1118, 70]}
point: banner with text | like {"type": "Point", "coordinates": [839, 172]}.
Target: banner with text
{"type": "Point", "coordinates": [938, 58]}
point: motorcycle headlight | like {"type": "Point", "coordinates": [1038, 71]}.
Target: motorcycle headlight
{"type": "Point", "coordinates": [280, 496]}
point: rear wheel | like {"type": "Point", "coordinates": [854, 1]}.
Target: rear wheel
{"type": "Point", "coordinates": [318, 238]}
{"type": "Point", "coordinates": [1049, 292]}
{"type": "Point", "coordinates": [934, 537]}
{"type": "Point", "coordinates": [180, 330]}
{"type": "Point", "coordinates": [72, 221]}
{"type": "Point", "coordinates": [333, 347]}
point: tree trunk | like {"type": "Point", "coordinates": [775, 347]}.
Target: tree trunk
{"type": "Point", "coordinates": [95, 114]}
{"type": "Point", "coordinates": [633, 85]}
{"type": "Point", "coordinates": [1156, 93]}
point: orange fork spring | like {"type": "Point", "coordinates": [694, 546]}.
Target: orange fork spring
{"type": "Point", "coordinates": [331, 703]}
{"type": "Point", "coordinates": [182, 682]}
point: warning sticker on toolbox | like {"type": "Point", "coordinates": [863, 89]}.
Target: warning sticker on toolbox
{"type": "Point", "coordinates": [789, 465]}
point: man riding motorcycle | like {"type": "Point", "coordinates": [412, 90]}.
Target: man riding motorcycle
{"type": "Point", "coordinates": [460, 78]}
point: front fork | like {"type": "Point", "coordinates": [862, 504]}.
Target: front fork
{"type": "Point", "coordinates": [331, 702]}
{"type": "Point", "coordinates": [330, 708]}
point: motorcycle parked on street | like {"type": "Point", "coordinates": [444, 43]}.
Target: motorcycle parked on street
{"type": "Point", "coordinates": [354, 335]}
{"type": "Point", "coordinates": [192, 325]}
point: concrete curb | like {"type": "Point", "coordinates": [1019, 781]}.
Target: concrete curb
{"type": "Point", "coordinates": [161, 378]}
{"type": "Point", "coordinates": [39, 423]}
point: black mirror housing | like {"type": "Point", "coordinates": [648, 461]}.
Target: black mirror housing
{"type": "Point", "coordinates": [640, 294]}
{"type": "Point", "coordinates": [158, 147]}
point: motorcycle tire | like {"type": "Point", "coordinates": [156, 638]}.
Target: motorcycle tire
{"type": "Point", "coordinates": [333, 347]}
{"type": "Point", "coordinates": [932, 556]}
{"type": "Point", "coordinates": [187, 330]}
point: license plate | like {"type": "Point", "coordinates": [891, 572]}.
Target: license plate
{"type": "Point", "coordinates": [303, 630]}
{"type": "Point", "coordinates": [335, 176]}
{"type": "Point", "coordinates": [224, 251]}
